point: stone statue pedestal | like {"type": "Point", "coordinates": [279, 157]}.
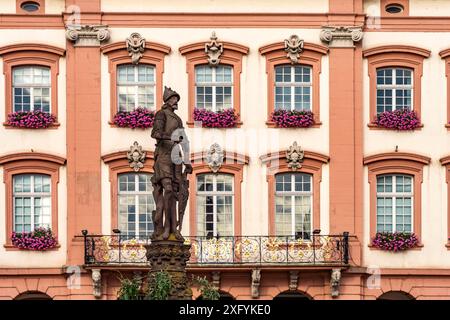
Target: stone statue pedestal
{"type": "Point", "coordinates": [171, 255]}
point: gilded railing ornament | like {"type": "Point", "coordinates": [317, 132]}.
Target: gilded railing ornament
{"type": "Point", "coordinates": [136, 157]}
{"type": "Point", "coordinates": [294, 156]}
{"type": "Point", "coordinates": [293, 46]}
{"type": "Point", "coordinates": [214, 50]}
{"type": "Point", "coordinates": [135, 47]}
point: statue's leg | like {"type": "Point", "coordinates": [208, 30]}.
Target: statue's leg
{"type": "Point", "coordinates": [158, 216]}
{"type": "Point", "coordinates": [168, 206]}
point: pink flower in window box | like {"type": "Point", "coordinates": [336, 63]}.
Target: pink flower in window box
{"type": "Point", "coordinates": [292, 118]}
{"type": "Point", "coordinates": [31, 119]}
{"type": "Point", "coordinates": [402, 119]}
{"type": "Point", "coordinates": [395, 241]}
{"type": "Point", "coordinates": [226, 118]}
{"type": "Point", "coordinates": [40, 239]}
{"type": "Point", "coordinates": [138, 118]}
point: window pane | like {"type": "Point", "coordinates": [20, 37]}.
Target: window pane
{"type": "Point", "coordinates": [31, 82]}
{"type": "Point", "coordinates": [215, 204]}
{"type": "Point", "coordinates": [32, 202]}
{"type": "Point", "coordinates": [135, 204]}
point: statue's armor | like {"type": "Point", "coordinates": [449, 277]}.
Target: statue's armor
{"type": "Point", "coordinates": [166, 122]}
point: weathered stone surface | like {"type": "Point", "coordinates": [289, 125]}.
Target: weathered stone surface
{"type": "Point", "coordinates": [171, 255]}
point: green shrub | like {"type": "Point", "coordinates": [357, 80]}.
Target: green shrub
{"type": "Point", "coordinates": [160, 285]}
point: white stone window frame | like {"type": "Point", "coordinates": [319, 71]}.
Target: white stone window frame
{"type": "Point", "coordinates": [214, 84]}
{"type": "Point", "coordinates": [136, 84]}
{"type": "Point", "coordinates": [32, 195]}
{"type": "Point", "coordinates": [214, 193]}
{"type": "Point", "coordinates": [394, 87]}
{"type": "Point", "coordinates": [293, 84]}
{"type": "Point", "coordinates": [32, 86]}
{"type": "Point", "coordinates": [394, 195]}
{"type": "Point", "coordinates": [293, 194]}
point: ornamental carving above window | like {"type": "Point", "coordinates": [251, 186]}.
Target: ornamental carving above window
{"type": "Point", "coordinates": [136, 157]}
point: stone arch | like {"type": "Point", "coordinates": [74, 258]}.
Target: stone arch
{"type": "Point", "coordinates": [293, 295]}
{"type": "Point", "coordinates": [33, 295]}
{"type": "Point", "coordinates": [396, 295]}
{"type": "Point", "coordinates": [223, 296]}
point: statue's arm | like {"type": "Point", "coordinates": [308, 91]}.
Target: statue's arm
{"type": "Point", "coordinates": [158, 127]}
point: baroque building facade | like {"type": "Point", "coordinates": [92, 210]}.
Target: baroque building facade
{"type": "Point", "coordinates": [279, 207]}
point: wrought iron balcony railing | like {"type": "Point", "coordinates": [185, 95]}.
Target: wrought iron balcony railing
{"type": "Point", "coordinates": [320, 250]}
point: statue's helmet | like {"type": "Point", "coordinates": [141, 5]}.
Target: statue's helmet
{"type": "Point", "coordinates": [169, 93]}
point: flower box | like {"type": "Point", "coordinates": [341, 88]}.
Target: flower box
{"type": "Point", "coordinates": [402, 119]}
{"type": "Point", "coordinates": [31, 119]}
{"type": "Point", "coordinates": [226, 118]}
{"type": "Point", "coordinates": [138, 118]}
{"type": "Point", "coordinates": [396, 241]}
{"type": "Point", "coordinates": [40, 239]}
{"type": "Point", "coordinates": [292, 118]}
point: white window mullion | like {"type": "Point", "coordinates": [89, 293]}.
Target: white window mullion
{"type": "Point", "coordinates": [293, 204]}
{"type": "Point", "coordinates": [31, 99]}
{"type": "Point", "coordinates": [32, 215]}
{"type": "Point", "coordinates": [136, 96]}
{"type": "Point", "coordinates": [293, 214]}
{"type": "Point", "coordinates": [214, 106]}
{"type": "Point", "coordinates": [214, 215]}
{"type": "Point", "coordinates": [292, 88]}
{"type": "Point", "coordinates": [394, 203]}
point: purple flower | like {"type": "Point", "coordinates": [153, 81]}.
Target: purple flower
{"type": "Point", "coordinates": [226, 118]}
{"type": "Point", "coordinates": [31, 119]}
{"type": "Point", "coordinates": [40, 239]}
{"type": "Point", "coordinates": [138, 118]}
{"type": "Point", "coordinates": [396, 241]}
{"type": "Point", "coordinates": [402, 119]}
{"type": "Point", "coordinates": [292, 119]}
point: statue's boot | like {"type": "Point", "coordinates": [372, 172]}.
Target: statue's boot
{"type": "Point", "coordinates": [166, 233]}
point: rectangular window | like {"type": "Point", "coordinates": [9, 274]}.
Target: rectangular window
{"type": "Point", "coordinates": [215, 200]}
{"type": "Point", "coordinates": [135, 205]}
{"type": "Point", "coordinates": [394, 89]}
{"type": "Point", "coordinates": [293, 88]}
{"type": "Point", "coordinates": [214, 87]}
{"type": "Point", "coordinates": [136, 87]}
{"type": "Point", "coordinates": [31, 89]}
{"type": "Point", "coordinates": [293, 205]}
{"type": "Point", "coordinates": [394, 203]}
{"type": "Point", "coordinates": [32, 202]}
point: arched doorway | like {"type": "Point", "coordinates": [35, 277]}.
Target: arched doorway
{"type": "Point", "coordinates": [33, 295]}
{"type": "Point", "coordinates": [223, 296]}
{"type": "Point", "coordinates": [292, 295]}
{"type": "Point", "coordinates": [395, 295]}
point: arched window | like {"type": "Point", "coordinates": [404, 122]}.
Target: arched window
{"type": "Point", "coordinates": [395, 192]}
{"type": "Point", "coordinates": [32, 202]}
{"type": "Point", "coordinates": [215, 203]}
{"type": "Point", "coordinates": [293, 204]}
{"type": "Point", "coordinates": [293, 87]}
{"type": "Point", "coordinates": [135, 205]}
{"type": "Point", "coordinates": [395, 203]}
{"type": "Point", "coordinates": [31, 88]}
{"type": "Point", "coordinates": [214, 87]}
{"type": "Point", "coordinates": [135, 87]}
{"type": "Point", "coordinates": [395, 79]}
{"type": "Point", "coordinates": [394, 89]}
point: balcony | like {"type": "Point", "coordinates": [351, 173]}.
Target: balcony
{"type": "Point", "coordinates": [319, 251]}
